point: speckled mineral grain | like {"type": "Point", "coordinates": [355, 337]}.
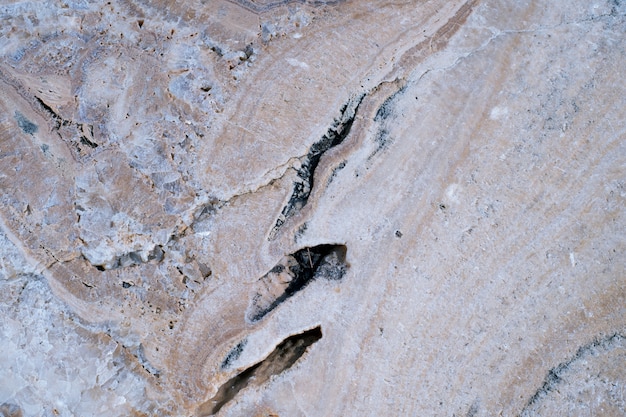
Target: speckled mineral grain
{"type": "Point", "coordinates": [313, 208]}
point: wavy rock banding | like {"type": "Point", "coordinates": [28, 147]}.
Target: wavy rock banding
{"type": "Point", "coordinates": [186, 187]}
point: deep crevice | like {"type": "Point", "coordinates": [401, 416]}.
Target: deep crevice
{"type": "Point", "coordinates": [282, 358]}
{"type": "Point", "coordinates": [293, 274]}
{"type": "Point", "coordinates": [303, 185]}
{"type": "Point", "coordinates": [58, 120]}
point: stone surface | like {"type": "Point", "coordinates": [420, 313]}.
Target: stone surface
{"type": "Point", "coordinates": [313, 208]}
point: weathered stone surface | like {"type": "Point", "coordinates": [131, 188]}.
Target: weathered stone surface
{"type": "Point", "coordinates": [336, 208]}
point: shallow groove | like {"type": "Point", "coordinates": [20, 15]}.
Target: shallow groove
{"type": "Point", "coordinates": [282, 358]}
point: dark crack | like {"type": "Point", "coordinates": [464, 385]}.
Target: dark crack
{"type": "Point", "coordinates": [303, 185]}
{"type": "Point", "coordinates": [293, 274]}
{"type": "Point", "coordinates": [58, 120]}
{"type": "Point", "coordinates": [282, 358]}
{"type": "Point", "coordinates": [81, 133]}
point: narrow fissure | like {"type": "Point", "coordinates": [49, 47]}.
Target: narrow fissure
{"type": "Point", "coordinates": [80, 127]}
{"type": "Point", "coordinates": [58, 120]}
{"type": "Point", "coordinates": [303, 185]}
{"type": "Point", "coordinates": [282, 358]}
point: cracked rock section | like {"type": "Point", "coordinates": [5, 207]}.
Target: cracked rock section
{"type": "Point", "coordinates": [191, 191]}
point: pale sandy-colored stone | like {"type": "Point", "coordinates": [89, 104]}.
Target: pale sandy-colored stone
{"type": "Point", "coordinates": [152, 162]}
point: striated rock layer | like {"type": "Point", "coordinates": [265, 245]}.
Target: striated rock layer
{"type": "Point", "coordinates": [313, 208]}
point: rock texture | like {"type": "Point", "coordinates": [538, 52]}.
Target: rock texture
{"type": "Point", "coordinates": [320, 208]}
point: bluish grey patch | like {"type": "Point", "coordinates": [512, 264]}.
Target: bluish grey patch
{"type": "Point", "coordinates": [26, 125]}
{"type": "Point", "coordinates": [234, 354]}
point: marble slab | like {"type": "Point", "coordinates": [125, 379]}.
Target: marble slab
{"type": "Point", "coordinates": [313, 208]}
